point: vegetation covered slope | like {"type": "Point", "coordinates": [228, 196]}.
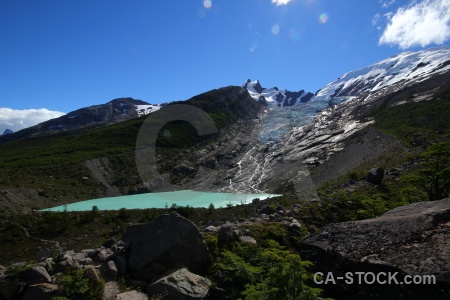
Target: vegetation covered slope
{"type": "Point", "coordinates": [54, 169]}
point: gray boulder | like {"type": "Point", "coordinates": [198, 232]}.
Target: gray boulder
{"type": "Point", "coordinates": [37, 275]}
{"type": "Point", "coordinates": [131, 295]}
{"type": "Point", "coordinates": [410, 240]}
{"type": "Point", "coordinates": [180, 285]}
{"type": "Point", "coordinates": [167, 242]}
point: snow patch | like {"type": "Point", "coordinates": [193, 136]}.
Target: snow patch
{"type": "Point", "coordinates": [143, 110]}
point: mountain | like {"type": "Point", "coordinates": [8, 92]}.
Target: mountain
{"type": "Point", "coordinates": [256, 149]}
{"type": "Point", "coordinates": [7, 131]}
{"type": "Point", "coordinates": [399, 70]}
{"type": "Point", "coordinates": [117, 110]}
{"type": "Point", "coordinates": [274, 97]}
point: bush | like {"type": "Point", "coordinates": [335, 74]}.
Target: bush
{"type": "Point", "coordinates": [77, 285]}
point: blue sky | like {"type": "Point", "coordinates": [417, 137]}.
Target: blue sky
{"type": "Point", "coordinates": [58, 56]}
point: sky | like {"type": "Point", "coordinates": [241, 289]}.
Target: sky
{"type": "Point", "coordinates": [59, 56]}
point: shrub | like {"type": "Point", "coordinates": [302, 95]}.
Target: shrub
{"type": "Point", "coordinates": [77, 285]}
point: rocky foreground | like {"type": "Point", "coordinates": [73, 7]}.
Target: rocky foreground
{"type": "Point", "coordinates": [168, 258]}
{"type": "Point", "coordinates": [411, 240]}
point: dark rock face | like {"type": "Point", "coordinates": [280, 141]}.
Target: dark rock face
{"type": "Point", "coordinates": [167, 242]}
{"type": "Point", "coordinates": [181, 285]}
{"type": "Point", "coordinates": [411, 240]}
{"type": "Point", "coordinates": [375, 175]}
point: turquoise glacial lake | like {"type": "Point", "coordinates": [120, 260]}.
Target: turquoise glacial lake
{"type": "Point", "coordinates": [161, 200]}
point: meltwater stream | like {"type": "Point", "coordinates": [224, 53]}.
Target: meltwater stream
{"type": "Point", "coordinates": [162, 200]}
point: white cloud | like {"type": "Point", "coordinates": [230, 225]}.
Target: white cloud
{"type": "Point", "coordinates": [421, 23]}
{"type": "Point", "coordinates": [376, 19]}
{"type": "Point", "coordinates": [280, 2]}
{"type": "Point", "coordinates": [16, 120]}
{"type": "Point", "coordinates": [386, 3]}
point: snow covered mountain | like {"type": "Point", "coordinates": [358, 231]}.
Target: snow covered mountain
{"type": "Point", "coordinates": [333, 131]}
{"type": "Point", "coordinates": [274, 97]}
{"type": "Point", "coordinates": [115, 111]}
{"type": "Point", "coordinates": [404, 69]}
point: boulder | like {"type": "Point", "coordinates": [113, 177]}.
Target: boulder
{"type": "Point", "coordinates": [225, 233]}
{"type": "Point", "coordinates": [210, 229]}
{"type": "Point", "coordinates": [375, 175]}
{"type": "Point", "coordinates": [10, 289]}
{"type": "Point", "coordinates": [167, 242]}
{"type": "Point", "coordinates": [247, 239]}
{"type": "Point", "coordinates": [104, 254]}
{"type": "Point", "coordinates": [410, 240]}
{"type": "Point", "coordinates": [42, 291]}
{"type": "Point", "coordinates": [180, 285]}
{"type": "Point", "coordinates": [90, 252]}
{"type": "Point", "coordinates": [121, 264]}
{"type": "Point", "coordinates": [37, 275]}
{"type": "Point", "coordinates": [131, 295]}
{"type": "Point", "coordinates": [110, 269]}
{"type": "Point", "coordinates": [112, 288]}
{"type": "Point", "coordinates": [109, 243]}
{"type": "Point", "coordinates": [92, 274]}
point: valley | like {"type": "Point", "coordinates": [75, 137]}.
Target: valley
{"type": "Point", "coordinates": [368, 150]}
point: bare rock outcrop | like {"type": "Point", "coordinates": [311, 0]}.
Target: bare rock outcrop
{"type": "Point", "coordinates": [411, 240]}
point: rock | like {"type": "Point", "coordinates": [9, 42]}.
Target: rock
{"type": "Point", "coordinates": [104, 254]}
{"type": "Point", "coordinates": [375, 175]}
{"type": "Point", "coordinates": [280, 208]}
{"type": "Point", "coordinates": [180, 285]}
{"type": "Point", "coordinates": [295, 225]}
{"type": "Point", "coordinates": [69, 254]}
{"type": "Point", "coordinates": [109, 243]}
{"type": "Point", "coordinates": [10, 289]}
{"type": "Point", "coordinates": [64, 265]}
{"type": "Point", "coordinates": [37, 275]}
{"type": "Point", "coordinates": [111, 269]}
{"type": "Point", "coordinates": [112, 288]}
{"type": "Point", "coordinates": [210, 229]}
{"type": "Point", "coordinates": [91, 252]}
{"type": "Point", "coordinates": [92, 274]}
{"type": "Point", "coordinates": [225, 233]}
{"type": "Point", "coordinates": [265, 210]}
{"type": "Point", "coordinates": [132, 295]}
{"type": "Point", "coordinates": [247, 239]}
{"type": "Point", "coordinates": [167, 242]}
{"type": "Point", "coordinates": [42, 291]}
{"type": "Point", "coordinates": [87, 261]}
{"type": "Point", "coordinates": [412, 239]}
{"type": "Point", "coordinates": [121, 264]}
{"type": "Point", "coordinates": [47, 263]}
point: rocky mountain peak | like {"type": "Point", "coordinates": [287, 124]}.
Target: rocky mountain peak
{"type": "Point", "coordinates": [7, 131]}
{"type": "Point", "coordinates": [274, 97]}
